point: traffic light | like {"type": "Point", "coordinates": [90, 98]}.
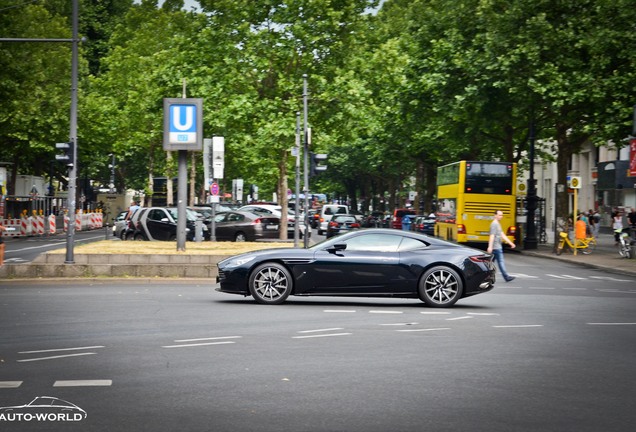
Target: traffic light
{"type": "Point", "coordinates": [67, 157]}
{"type": "Point", "coordinates": [314, 160]}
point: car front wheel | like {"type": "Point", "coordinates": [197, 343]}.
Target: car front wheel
{"type": "Point", "coordinates": [440, 287]}
{"type": "Point", "coordinates": [270, 283]}
{"type": "Point", "coordinates": [240, 237]}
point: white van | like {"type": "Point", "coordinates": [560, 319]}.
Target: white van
{"type": "Point", "coordinates": [326, 213]}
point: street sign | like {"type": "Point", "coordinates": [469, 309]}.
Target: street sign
{"type": "Point", "coordinates": [182, 124]}
{"type": "Point", "coordinates": [214, 189]}
{"type": "Point", "coordinates": [575, 182]}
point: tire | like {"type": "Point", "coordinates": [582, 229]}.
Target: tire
{"type": "Point", "coordinates": [440, 286]}
{"type": "Point", "coordinates": [270, 283]}
{"type": "Point", "coordinates": [139, 237]}
{"type": "Point", "coordinates": [586, 250]}
{"type": "Point", "coordinates": [240, 237]}
{"type": "Point", "coordinates": [559, 250]}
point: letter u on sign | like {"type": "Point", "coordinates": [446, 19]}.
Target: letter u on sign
{"type": "Point", "coordinates": [183, 124]}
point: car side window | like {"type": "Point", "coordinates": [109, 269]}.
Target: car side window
{"type": "Point", "coordinates": [341, 210]}
{"type": "Point", "coordinates": [328, 211]}
{"type": "Point", "coordinates": [234, 217]}
{"type": "Point", "coordinates": [409, 244]}
{"type": "Point", "coordinates": [375, 242]}
{"type": "Point", "coordinates": [156, 214]}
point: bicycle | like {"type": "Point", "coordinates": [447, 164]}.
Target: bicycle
{"type": "Point", "coordinates": [586, 245]}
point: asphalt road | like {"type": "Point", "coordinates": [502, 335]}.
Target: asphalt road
{"type": "Point", "coordinates": [552, 351]}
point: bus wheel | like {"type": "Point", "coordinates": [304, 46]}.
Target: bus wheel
{"type": "Point", "coordinates": [440, 286]}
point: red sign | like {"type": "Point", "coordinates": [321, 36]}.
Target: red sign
{"type": "Point", "coordinates": [214, 189]}
{"type": "Point", "coordinates": [632, 158]}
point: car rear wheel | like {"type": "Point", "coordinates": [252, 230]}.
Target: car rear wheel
{"type": "Point", "coordinates": [240, 237]}
{"type": "Point", "coordinates": [440, 287]}
{"type": "Point", "coordinates": [139, 237]}
{"type": "Point", "coordinates": [270, 283]}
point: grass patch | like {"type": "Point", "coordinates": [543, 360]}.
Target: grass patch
{"type": "Point", "coordinates": [169, 248]}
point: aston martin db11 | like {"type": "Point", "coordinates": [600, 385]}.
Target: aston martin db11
{"type": "Point", "coordinates": [367, 263]}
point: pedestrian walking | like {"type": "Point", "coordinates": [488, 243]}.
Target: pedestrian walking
{"type": "Point", "coordinates": [596, 217]}
{"type": "Point", "coordinates": [617, 225]}
{"type": "Point", "coordinates": [495, 247]}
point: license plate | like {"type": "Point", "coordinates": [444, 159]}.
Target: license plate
{"type": "Point", "coordinates": [271, 227]}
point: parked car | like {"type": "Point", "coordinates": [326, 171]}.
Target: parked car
{"type": "Point", "coordinates": [160, 223]}
{"type": "Point", "coordinates": [119, 222]}
{"type": "Point", "coordinates": [240, 226]}
{"type": "Point", "coordinates": [374, 262]}
{"type": "Point", "coordinates": [341, 223]}
{"type": "Point", "coordinates": [326, 213]}
{"type": "Point", "coordinates": [398, 214]}
{"type": "Point", "coordinates": [276, 210]}
{"type": "Point", "coordinates": [424, 224]}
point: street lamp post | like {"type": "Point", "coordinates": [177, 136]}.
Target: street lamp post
{"type": "Point", "coordinates": [530, 239]}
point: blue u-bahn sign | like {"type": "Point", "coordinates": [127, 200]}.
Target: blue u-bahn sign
{"type": "Point", "coordinates": [182, 124]}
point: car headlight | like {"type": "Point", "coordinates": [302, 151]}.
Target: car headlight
{"type": "Point", "coordinates": [236, 261]}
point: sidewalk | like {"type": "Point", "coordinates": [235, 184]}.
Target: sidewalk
{"type": "Point", "coordinates": [604, 257]}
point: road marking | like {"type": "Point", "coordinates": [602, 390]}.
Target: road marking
{"type": "Point", "coordinates": [524, 276]}
{"type": "Point", "coordinates": [10, 384]}
{"type": "Point", "coordinates": [542, 288]}
{"type": "Point", "coordinates": [83, 383]}
{"type": "Point", "coordinates": [609, 278]}
{"type": "Point", "coordinates": [61, 349]}
{"type": "Point", "coordinates": [425, 329]}
{"type": "Point", "coordinates": [205, 339]}
{"type": "Point", "coordinates": [385, 312]}
{"type": "Point", "coordinates": [435, 313]}
{"type": "Point", "coordinates": [321, 335]}
{"type": "Point", "coordinates": [198, 344]}
{"type": "Point", "coordinates": [483, 313]}
{"type": "Point", "coordinates": [55, 357]}
{"type": "Point", "coordinates": [320, 330]}
{"type": "Point", "coordinates": [608, 324]}
{"type": "Point", "coordinates": [458, 318]}
{"type": "Point", "coordinates": [580, 289]}
{"type": "Point", "coordinates": [565, 276]}
{"type": "Point", "coordinates": [519, 326]}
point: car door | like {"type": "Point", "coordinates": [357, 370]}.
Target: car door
{"type": "Point", "coordinates": [160, 225]}
{"type": "Point", "coordinates": [227, 228]}
{"type": "Point", "coordinates": [370, 264]}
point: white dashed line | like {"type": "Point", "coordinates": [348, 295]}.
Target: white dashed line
{"type": "Point", "coordinates": [56, 357]}
{"type": "Point", "coordinates": [206, 339]}
{"type": "Point", "coordinates": [385, 312]}
{"type": "Point", "coordinates": [83, 383]}
{"type": "Point", "coordinates": [10, 384]}
{"type": "Point", "coordinates": [321, 330]}
{"type": "Point", "coordinates": [198, 344]}
{"type": "Point", "coordinates": [424, 330]}
{"type": "Point", "coordinates": [61, 349]}
{"type": "Point", "coordinates": [459, 318]}
{"type": "Point", "coordinates": [320, 335]}
{"type": "Point", "coordinates": [435, 313]}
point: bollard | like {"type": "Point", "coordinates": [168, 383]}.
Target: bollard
{"type": "Point", "coordinates": [198, 231]}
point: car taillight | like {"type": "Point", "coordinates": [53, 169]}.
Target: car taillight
{"type": "Point", "coordinates": [461, 229]}
{"type": "Point", "coordinates": [333, 224]}
{"type": "Point", "coordinates": [355, 225]}
{"type": "Point", "coordinates": [257, 221]}
{"type": "Point", "coordinates": [480, 258]}
{"type": "Point", "coordinates": [511, 231]}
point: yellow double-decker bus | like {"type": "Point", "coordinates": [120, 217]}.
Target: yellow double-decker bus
{"type": "Point", "coordinates": [468, 193]}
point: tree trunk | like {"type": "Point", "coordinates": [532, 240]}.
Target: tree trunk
{"type": "Point", "coordinates": [282, 194]}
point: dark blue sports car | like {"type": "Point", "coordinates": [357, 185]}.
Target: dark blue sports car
{"type": "Point", "coordinates": [366, 263]}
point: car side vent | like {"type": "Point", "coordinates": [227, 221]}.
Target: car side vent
{"type": "Point", "coordinates": [298, 261]}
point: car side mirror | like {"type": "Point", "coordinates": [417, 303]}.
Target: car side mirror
{"type": "Point", "coordinates": [337, 248]}
{"type": "Point", "coordinates": [165, 220]}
